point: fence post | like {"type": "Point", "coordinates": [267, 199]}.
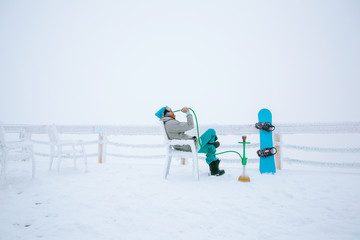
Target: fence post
{"type": "Point", "coordinates": [101, 147]}
{"type": "Point", "coordinates": [277, 140]}
{"type": "Point", "coordinates": [104, 148]}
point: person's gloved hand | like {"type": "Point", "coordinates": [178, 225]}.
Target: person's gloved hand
{"type": "Point", "coordinates": [216, 144]}
{"type": "Point", "coordinates": [185, 109]}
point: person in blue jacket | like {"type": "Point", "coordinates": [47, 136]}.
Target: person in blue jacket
{"type": "Point", "coordinates": [176, 130]}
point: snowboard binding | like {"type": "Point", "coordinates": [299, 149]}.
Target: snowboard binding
{"type": "Point", "coordinates": [266, 152]}
{"type": "Point", "coordinates": [267, 126]}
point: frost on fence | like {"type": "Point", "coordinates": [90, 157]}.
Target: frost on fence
{"type": "Point", "coordinates": [235, 129]}
{"type": "Point", "coordinates": [321, 149]}
{"type": "Point", "coordinates": [222, 130]}
{"type": "Point", "coordinates": [326, 164]}
{"type": "Point", "coordinates": [135, 145]}
{"type": "Point", "coordinates": [318, 128]}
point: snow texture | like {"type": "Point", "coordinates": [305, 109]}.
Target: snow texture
{"type": "Point", "coordinates": [129, 199]}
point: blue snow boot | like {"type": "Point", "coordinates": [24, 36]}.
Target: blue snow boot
{"type": "Point", "coordinates": [214, 168]}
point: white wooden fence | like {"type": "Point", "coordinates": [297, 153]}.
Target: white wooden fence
{"type": "Point", "coordinates": [103, 131]}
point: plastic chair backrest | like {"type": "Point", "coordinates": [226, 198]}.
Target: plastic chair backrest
{"type": "Point", "coordinates": [163, 131]}
{"type": "Point", "coordinates": [53, 134]}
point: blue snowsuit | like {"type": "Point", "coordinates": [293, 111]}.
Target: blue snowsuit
{"type": "Point", "coordinates": [210, 150]}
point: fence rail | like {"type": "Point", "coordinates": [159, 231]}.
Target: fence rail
{"type": "Point", "coordinates": [308, 128]}
{"type": "Point", "coordinates": [103, 131]}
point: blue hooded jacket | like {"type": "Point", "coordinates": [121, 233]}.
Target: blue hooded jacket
{"type": "Point", "coordinates": [160, 113]}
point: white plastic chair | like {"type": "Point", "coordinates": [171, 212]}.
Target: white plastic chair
{"type": "Point", "coordinates": [171, 152]}
{"type": "Point", "coordinates": [12, 150]}
{"type": "Point", "coordinates": [61, 149]}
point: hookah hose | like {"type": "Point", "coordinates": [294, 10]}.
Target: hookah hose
{"type": "Point", "coordinates": [198, 135]}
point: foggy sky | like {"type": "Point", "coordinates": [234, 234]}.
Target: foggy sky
{"type": "Point", "coordinates": [118, 62]}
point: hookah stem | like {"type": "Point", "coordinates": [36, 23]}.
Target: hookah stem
{"type": "Point", "coordinates": [198, 135]}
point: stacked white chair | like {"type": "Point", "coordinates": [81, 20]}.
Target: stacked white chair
{"type": "Point", "coordinates": [171, 152]}
{"type": "Point", "coordinates": [15, 150]}
{"type": "Point", "coordinates": [64, 148]}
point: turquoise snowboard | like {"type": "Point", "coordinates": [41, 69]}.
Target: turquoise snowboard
{"type": "Point", "coordinates": [267, 165]}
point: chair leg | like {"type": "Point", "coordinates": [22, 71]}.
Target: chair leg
{"type": "Point", "coordinates": [59, 157]}
{"type": "Point", "coordinates": [51, 161]}
{"type": "Point", "coordinates": [51, 157]}
{"type": "Point", "coordinates": [195, 163]}
{"type": "Point", "coordinates": [84, 155]}
{"type": "Point", "coordinates": [167, 166]}
{"type": "Point", "coordinates": [59, 163]}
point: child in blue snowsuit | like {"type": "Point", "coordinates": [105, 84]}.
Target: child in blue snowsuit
{"type": "Point", "coordinates": [176, 130]}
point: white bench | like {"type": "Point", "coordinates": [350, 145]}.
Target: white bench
{"type": "Point", "coordinates": [12, 150]}
{"type": "Point", "coordinates": [171, 152]}
{"type": "Point", "coordinates": [67, 148]}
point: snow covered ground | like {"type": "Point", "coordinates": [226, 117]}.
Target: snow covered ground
{"type": "Point", "coordinates": [129, 199]}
